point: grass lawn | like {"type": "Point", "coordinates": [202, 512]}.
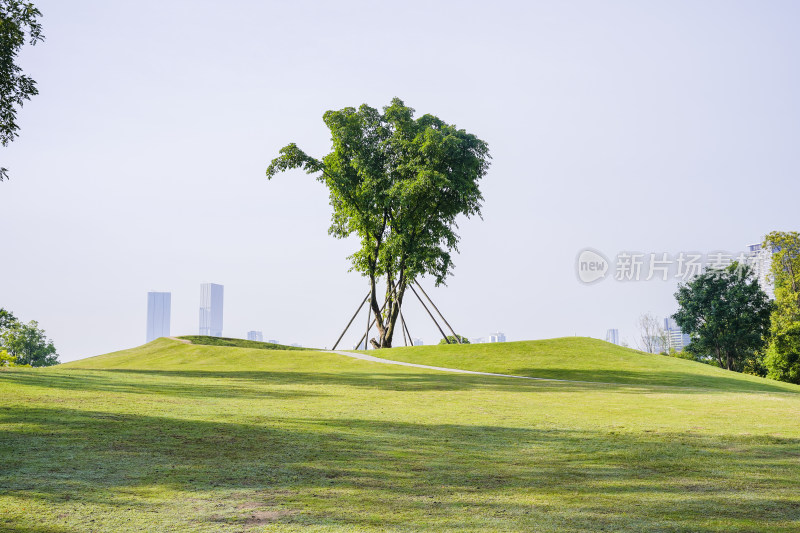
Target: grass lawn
{"type": "Point", "coordinates": [178, 437]}
{"type": "Point", "coordinates": [239, 343]}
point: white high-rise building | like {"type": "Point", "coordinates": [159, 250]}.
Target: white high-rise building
{"type": "Point", "coordinates": [676, 339]}
{"type": "Point", "coordinates": [211, 309]}
{"type": "Point", "coordinates": [159, 307]}
{"type": "Point", "coordinates": [761, 261]}
{"type": "Point", "coordinates": [255, 336]}
{"type": "Point", "coordinates": [612, 336]}
{"type": "Point", "coordinates": [497, 337]}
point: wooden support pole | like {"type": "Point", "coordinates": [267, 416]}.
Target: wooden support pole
{"type": "Point", "coordinates": [403, 323]}
{"type": "Point", "coordinates": [369, 325]}
{"type": "Point", "coordinates": [430, 314]}
{"type": "Point", "coordinates": [351, 321]}
{"type": "Point", "coordinates": [403, 331]}
{"type": "Point", "coordinates": [458, 339]}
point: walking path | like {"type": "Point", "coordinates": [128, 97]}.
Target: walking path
{"type": "Point", "coordinates": [374, 359]}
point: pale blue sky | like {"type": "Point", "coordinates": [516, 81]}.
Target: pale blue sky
{"type": "Point", "coordinates": [648, 126]}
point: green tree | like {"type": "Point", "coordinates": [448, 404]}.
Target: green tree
{"type": "Point", "coordinates": [398, 184]}
{"type": "Point", "coordinates": [782, 359]}
{"type": "Point", "coordinates": [7, 319]}
{"type": "Point", "coordinates": [451, 339]}
{"type": "Point", "coordinates": [19, 22]}
{"type": "Point", "coordinates": [29, 345]}
{"type": "Point", "coordinates": [726, 313]}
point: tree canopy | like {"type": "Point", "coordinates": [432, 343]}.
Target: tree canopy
{"type": "Point", "coordinates": [24, 344]}
{"type": "Point", "coordinates": [19, 23]}
{"type": "Point", "coordinates": [398, 184]}
{"type": "Point", "coordinates": [28, 344]}
{"type": "Point", "coordinates": [783, 353]}
{"type": "Point", "coordinates": [726, 313]}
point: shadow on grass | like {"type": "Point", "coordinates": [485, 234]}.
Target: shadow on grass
{"type": "Point", "coordinates": [346, 472]}
{"type": "Point", "coordinates": [114, 381]}
{"type": "Point", "coordinates": [658, 377]}
{"type": "Point", "coordinates": [249, 384]}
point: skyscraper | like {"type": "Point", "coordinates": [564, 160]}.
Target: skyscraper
{"type": "Point", "coordinates": [612, 336]}
{"type": "Point", "coordinates": [677, 340]}
{"type": "Point", "coordinates": [211, 309]}
{"type": "Point", "coordinates": [255, 336]}
{"type": "Point", "coordinates": [497, 337]}
{"type": "Point", "coordinates": [761, 261]}
{"type": "Point", "coordinates": [159, 306]}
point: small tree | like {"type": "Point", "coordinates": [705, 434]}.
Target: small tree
{"type": "Point", "coordinates": [782, 359]}
{"type": "Point", "coordinates": [29, 345]}
{"type": "Point", "coordinates": [452, 340]}
{"type": "Point", "coordinates": [652, 337]}
{"type": "Point", "coordinates": [726, 313]}
{"type": "Point", "coordinates": [398, 184]}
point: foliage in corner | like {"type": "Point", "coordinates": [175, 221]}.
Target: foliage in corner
{"type": "Point", "coordinates": [25, 344]}
{"type": "Point", "coordinates": [19, 22]}
{"type": "Point", "coordinates": [783, 353]}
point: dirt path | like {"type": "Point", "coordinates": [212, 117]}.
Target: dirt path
{"type": "Point", "coordinates": [374, 359]}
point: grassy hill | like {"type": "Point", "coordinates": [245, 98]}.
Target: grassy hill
{"type": "Point", "coordinates": [173, 436]}
{"type": "Point", "coordinates": [582, 359]}
{"type": "Point", "coordinates": [236, 343]}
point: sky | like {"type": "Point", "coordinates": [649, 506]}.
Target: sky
{"type": "Point", "coordinates": [650, 127]}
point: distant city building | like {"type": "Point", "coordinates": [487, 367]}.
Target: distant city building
{"type": "Point", "coordinates": [477, 340]}
{"type": "Point", "coordinates": [255, 336]}
{"type": "Point", "coordinates": [676, 339]}
{"type": "Point", "coordinates": [417, 342]}
{"type": "Point", "coordinates": [273, 341]}
{"type": "Point", "coordinates": [211, 309]}
{"type": "Point", "coordinates": [497, 337]}
{"type": "Point", "coordinates": [612, 336]}
{"type": "Point", "coordinates": [159, 306]}
{"type": "Point", "coordinates": [761, 261]}
{"type": "Point", "coordinates": [362, 346]}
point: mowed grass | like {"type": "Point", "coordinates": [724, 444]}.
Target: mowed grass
{"type": "Point", "coordinates": [238, 343]}
{"type": "Point", "coordinates": [176, 437]}
{"type": "Point", "coordinates": [582, 359]}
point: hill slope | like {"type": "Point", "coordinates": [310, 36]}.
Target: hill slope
{"type": "Point", "coordinates": [164, 354]}
{"type": "Point", "coordinates": [582, 359]}
{"type": "Point", "coordinates": [171, 436]}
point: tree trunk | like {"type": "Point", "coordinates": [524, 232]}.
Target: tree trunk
{"type": "Point", "coordinates": [386, 317]}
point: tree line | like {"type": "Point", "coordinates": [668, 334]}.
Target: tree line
{"type": "Point", "coordinates": [732, 322]}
